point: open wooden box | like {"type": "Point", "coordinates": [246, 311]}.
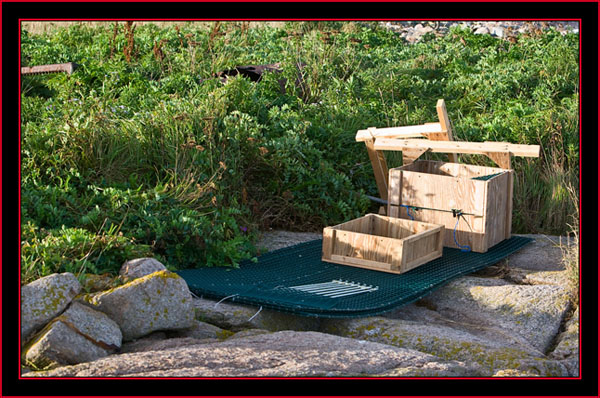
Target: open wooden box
{"type": "Point", "coordinates": [435, 188]}
{"type": "Point", "coordinates": [382, 243]}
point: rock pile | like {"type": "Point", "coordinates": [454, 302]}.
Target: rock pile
{"type": "Point", "coordinates": [413, 31]}
{"type": "Point", "coordinates": [514, 319]}
{"type": "Point", "coordinates": [61, 327]}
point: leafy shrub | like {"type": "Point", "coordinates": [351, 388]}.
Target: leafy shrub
{"type": "Point", "coordinates": [144, 141]}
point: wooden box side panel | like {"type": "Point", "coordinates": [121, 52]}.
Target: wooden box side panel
{"type": "Point", "coordinates": [498, 217]}
{"type": "Point", "coordinates": [440, 194]}
{"type": "Point", "coordinates": [422, 249]}
{"type": "Point", "coordinates": [464, 236]}
{"type": "Point", "coordinates": [365, 247]}
{"type": "Point", "coordinates": [457, 170]}
{"type": "Point", "coordinates": [361, 225]}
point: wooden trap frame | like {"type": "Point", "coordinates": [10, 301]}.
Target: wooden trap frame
{"type": "Point", "coordinates": [438, 139]}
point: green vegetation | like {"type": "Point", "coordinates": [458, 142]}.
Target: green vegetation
{"type": "Point", "coordinates": [141, 153]}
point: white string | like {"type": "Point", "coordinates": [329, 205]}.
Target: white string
{"type": "Point", "coordinates": [259, 310]}
{"type": "Point", "coordinates": [223, 299]}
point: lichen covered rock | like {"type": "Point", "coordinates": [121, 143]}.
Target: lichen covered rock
{"type": "Point", "coordinates": [279, 354]}
{"type": "Point", "coordinates": [447, 343]}
{"type": "Point", "coordinates": [159, 301]}
{"type": "Point", "coordinates": [80, 334]}
{"type": "Point", "coordinates": [44, 299]}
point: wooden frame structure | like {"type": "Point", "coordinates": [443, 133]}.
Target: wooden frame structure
{"type": "Point", "coordinates": [438, 139]}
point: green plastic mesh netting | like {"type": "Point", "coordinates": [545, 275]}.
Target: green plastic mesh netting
{"type": "Point", "coordinates": [295, 280]}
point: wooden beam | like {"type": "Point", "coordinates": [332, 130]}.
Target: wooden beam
{"type": "Point", "coordinates": [446, 127]}
{"type": "Point", "coordinates": [399, 132]}
{"type": "Point", "coordinates": [380, 168]}
{"type": "Point", "coordinates": [482, 148]}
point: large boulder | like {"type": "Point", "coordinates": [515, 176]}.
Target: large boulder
{"type": "Point", "coordinates": [482, 347]}
{"type": "Point", "coordinates": [140, 267]}
{"type": "Point", "coordinates": [280, 354]}
{"type": "Point", "coordinates": [158, 301]}
{"type": "Point", "coordinates": [80, 334]}
{"type": "Point", "coordinates": [44, 299]}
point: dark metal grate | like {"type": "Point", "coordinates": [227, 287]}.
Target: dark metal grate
{"type": "Point", "coordinates": [273, 281]}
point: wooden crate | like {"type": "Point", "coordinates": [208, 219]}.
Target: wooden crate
{"type": "Point", "coordinates": [382, 243]}
{"type": "Point", "coordinates": [439, 187]}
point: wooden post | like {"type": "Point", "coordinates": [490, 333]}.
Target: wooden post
{"type": "Point", "coordinates": [446, 135]}
{"type": "Point", "coordinates": [380, 168]}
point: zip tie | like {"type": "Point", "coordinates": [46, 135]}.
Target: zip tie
{"type": "Point", "coordinates": [457, 213]}
{"type": "Point", "coordinates": [407, 211]}
{"type": "Point", "coordinates": [259, 310]}
{"type": "Point", "coordinates": [223, 299]}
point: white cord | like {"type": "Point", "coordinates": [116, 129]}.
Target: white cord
{"type": "Point", "coordinates": [233, 295]}
{"type": "Point", "coordinates": [259, 310]}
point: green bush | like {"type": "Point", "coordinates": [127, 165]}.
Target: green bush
{"type": "Point", "coordinates": [143, 141]}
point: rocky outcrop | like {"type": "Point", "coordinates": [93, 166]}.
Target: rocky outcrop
{"type": "Point", "coordinates": [80, 334]}
{"type": "Point", "coordinates": [280, 354]}
{"type": "Point", "coordinates": [513, 319]}
{"type": "Point", "coordinates": [158, 301]}
{"type": "Point", "coordinates": [449, 343]}
{"type": "Point", "coordinates": [44, 299]}
{"type": "Point", "coordinates": [567, 348]}
{"type": "Point", "coordinates": [531, 312]}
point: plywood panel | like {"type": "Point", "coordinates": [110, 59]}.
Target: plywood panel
{"type": "Point", "coordinates": [442, 192]}
{"type": "Point", "coordinates": [464, 235]}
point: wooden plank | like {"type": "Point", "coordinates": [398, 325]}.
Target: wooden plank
{"type": "Point", "coordinates": [328, 242]}
{"type": "Point", "coordinates": [509, 208]}
{"type": "Point", "coordinates": [482, 148]}
{"type": "Point", "coordinates": [449, 169]}
{"type": "Point", "coordinates": [68, 67]}
{"type": "Point", "coordinates": [397, 132]}
{"type": "Point", "coordinates": [393, 211]}
{"type": "Point", "coordinates": [364, 246]}
{"type": "Point", "coordinates": [395, 179]}
{"type": "Point", "coordinates": [424, 234]}
{"type": "Point", "coordinates": [446, 127]}
{"type": "Point", "coordinates": [442, 192]}
{"type": "Point", "coordinates": [498, 206]}
{"type": "Point", "coordinates": [421, 260]}
{"type": "Point", "coordinates": [380, 168]}
{"type": "Point", "coordinates": [369, 264]}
